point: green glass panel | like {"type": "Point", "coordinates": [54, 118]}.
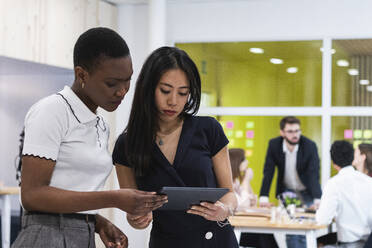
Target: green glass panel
{"type": "Point", "coordinates": [351, 72]}
{"type": "Point", "coordinates": [233, 76]}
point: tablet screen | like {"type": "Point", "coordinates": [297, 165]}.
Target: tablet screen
{"type": "Point", "coordinates": [182, 198]}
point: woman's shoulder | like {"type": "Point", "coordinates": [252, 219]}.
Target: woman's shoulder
{"type": "Point", "coordinates": [204, 121]}
{"type": "Point", "coordinates": [120, 141]}
{"type": "Point", "coordinates": [51, 105]}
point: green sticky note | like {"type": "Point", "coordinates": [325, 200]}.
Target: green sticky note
{"type": "Point", "coordinates": [356, 143]}
{"type": "Point", "coordinates": [239, 134]}
{"type": "Point", "coordinates": [249, 124]}
{"type": "Point", "coordinates": [367, 134]}
{"type": "Point", "coordinates": [229, 133]}
{"type": "Point", "coordinates": [249, 143]}
{"type": "Point", "coordinates": [358, 134]}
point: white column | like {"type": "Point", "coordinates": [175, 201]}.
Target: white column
{"type": "Point", "coordinates": [157, 17]}
{"type": "Point", "coordinates": [326, 106]}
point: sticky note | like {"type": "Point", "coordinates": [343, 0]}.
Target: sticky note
{"type": "Point", "coordinates": [229, 124]}
{"type": "Point", "coordinates": [356, 143]}
{"type": "Point", "coordinates": [348, 134]}
{"type": "Point", "coordinates": [367, 134]}
{"type": "Point", "coordinates": [249, 134]}
{"type": "Point", "coordinates": [249, 143]}
{"type": "Point", "coordinates": [249, 124]}
{"type": "Point", "coordinates": [357, 134]}
{"type": "Point", "coordinates": [248, 153]}
{"type": "Point", "coordinates": [239, 134]}
{"type": "Point", "coordinates": [229, 133]}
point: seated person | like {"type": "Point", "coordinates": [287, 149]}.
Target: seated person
{"type": "Point", "coordinates": [242, 175]}
{"type": "Point", "coordinates": [363, 163]}
{"type": "Point", "coordinates": [347, 198]}
{"type": "Point", "coordinates": [363, 158]}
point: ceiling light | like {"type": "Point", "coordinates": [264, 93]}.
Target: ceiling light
{"type": "Point", "coordinates": [353, 72]}
{"type": "Point", "coordinates": [342, 63]}
{"type": "Point", "coordinates": [364, 82]}
{"type": "Point", "coordinates": [292, 69]}
{"type": "Point", "coordinates": [333, 51]}
{"type": "Point", "coordinates": [276, 61]}
{"type": "Point", "coordinates": [256, 50]}
{"type": "Point", "coordinates": [369, 87]}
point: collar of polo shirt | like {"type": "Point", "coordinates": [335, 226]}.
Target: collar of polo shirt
{"type": "Point", "coordinates": [80, 110]}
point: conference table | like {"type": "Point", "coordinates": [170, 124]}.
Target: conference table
{"type": "Point", "coordinates": [260, 222]}
{"type": "Point", "coordinates": [5, 193]}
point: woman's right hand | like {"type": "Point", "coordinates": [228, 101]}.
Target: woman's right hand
{"type": "Point", "coordinates": [139, 221]}
{"type": "Point", "coordinates": [137, 202]}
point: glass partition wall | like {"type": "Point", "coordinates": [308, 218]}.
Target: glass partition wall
{"type": "Point", "coordinates": [250, 86]}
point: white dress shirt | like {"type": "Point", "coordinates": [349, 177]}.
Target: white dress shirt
{"type": "Point", "coordinates": [61, 128]}
{"type": "Point", "coordinates": [347, 197]}
{"type": "Point", "coordinates": [291, 178]}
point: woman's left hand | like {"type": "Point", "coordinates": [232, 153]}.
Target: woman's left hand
{"type": "Point", "coordinates": [214, 212]}
{"type": "Point", "coordinates": [110, 235]}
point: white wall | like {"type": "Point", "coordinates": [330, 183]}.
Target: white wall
{"type": "Point", "coordinates": [245, 20]}
{"type": "Point", "coordinates": [45, 31]}
{"type": "Point", "coordinates": [268, 20]}
{"type": "Point", "coordinates": [21, 85]}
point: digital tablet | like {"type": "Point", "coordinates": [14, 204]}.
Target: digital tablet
{"type": "Point", "coordinates": [182, 198]}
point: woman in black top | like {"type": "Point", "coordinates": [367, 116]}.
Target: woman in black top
{"type": "Point", "coordinates": [164, 144]}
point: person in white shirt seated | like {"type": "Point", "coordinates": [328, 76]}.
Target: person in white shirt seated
{"type": "Point", "coordinates": [347, 198]}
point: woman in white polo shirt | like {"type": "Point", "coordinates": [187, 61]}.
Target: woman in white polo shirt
{"type": "Point", "coordinates": [65, 155]}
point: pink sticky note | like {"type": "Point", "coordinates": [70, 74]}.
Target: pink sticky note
{"type": "Point", "coordinates": [229, 124]}
{"type": "Point", "coordinates": [348, 134]}
{"type": "Point", "coordinates": [249, 134]}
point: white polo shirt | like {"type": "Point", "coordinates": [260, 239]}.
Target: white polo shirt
{"type": "Point", "coordinates": [61, 128]}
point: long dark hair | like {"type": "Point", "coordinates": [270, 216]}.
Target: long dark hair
{"type": "Point", "coordinates": [237, 156]}
{"type": "Point", "coordinates": [366, 149]}
{"type": "Point", "coordinates": [143, 125]}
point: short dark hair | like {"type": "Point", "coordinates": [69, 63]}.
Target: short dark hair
{"type": "Point", "coordinates": [366, 149]}
{"type": "Point", "coordinates": [142, 125]}
{"type": "Point", "coordinates": [342, 153]}
{"type": "Point", "coordinates": [289, 120]}
{"type": "Point", "coordinates": [96, 44]}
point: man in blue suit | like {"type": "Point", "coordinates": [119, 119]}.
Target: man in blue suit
{"type": "Point", "coordinates": [296, 158]}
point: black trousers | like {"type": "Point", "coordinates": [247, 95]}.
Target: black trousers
{"type": "Point", "coordinates": [257, 240]}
